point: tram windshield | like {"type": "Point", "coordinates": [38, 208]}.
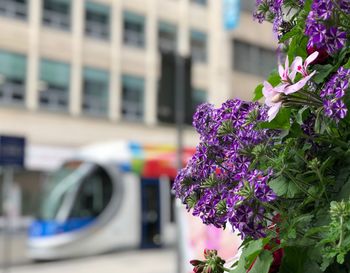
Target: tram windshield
{"type": "Point", "coordinates": [77, 190]}
{"type": "Point", "coordinates": [60, 185]}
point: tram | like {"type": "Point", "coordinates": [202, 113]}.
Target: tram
{"type": "Point", "coordinates": [109, 196]}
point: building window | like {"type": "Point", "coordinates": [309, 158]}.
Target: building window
{"type": "Point", "coordinates": [167, 37]}
{"type": "Point", "coordinates": [134, 29]}
{"type": "Point", "coordinates": [14, 8]}
{"type": "Point", "coordinates": [201, 2]}
{"type": "Point", "coordinates": [248, 5]}
{"type": "Point", "coordinates": [97, 20]}
{"type": "Point", "coordinates": [133, 98]}
{"type": "Point", "coordinates": [95, 92]}
{"type": "Point", "coordinates": [198, 46]}
{"type": "Point", "coordinates": [56, 13]}
{"type": "Point", "coordinates": [253, 59]}
{"type": "Point", "coordinates": [54, 85]}
{"type": "Point", "coordinates": [13, 69]}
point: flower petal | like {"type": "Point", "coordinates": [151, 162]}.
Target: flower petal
{"type": "Point", "coordinates": [268, 90]}
{"type": "Point", "coordinates": [310, 59]}
{"type": "Point", "coordinates": [281, 71]}
{"type": "Point", "coordinates": [299, 85]}
{"type": "Point", "coordinates": [273, 111]}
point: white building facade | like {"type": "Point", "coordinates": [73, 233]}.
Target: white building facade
{"type": "Point", "coordinates": [78, 72]}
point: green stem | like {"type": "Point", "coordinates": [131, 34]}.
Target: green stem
{"type": "Point", "coordinates": [320, 177]}
{"type": "Point", "coordinates": [296, 103]}
{"type": "Point", "coordinates": [341, 232]}
{"type": "Point", "coordinates": [310, 95]}
{"type": "Point", "coordinates": [301, 101]}
{"type": "Point", "coordinates": [299, 186]}
{"type": "Point", "coordinates": [306, 98]}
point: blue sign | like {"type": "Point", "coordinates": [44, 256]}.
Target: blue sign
{"type": "Point", "coordinates": [231, 10]}
{"type": "Point", "coordinates": [12, 151]}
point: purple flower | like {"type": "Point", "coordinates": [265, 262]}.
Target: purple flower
{"type": "Point", "coordinates": [318, 26]}
{"type": "Point", "coordinates": [274, 11]}
{"type": "Point", "coordinates": [340, 109]}
{"type": "Point", "coordinates": [335, 39]}
{"type": "Point", "coordinates": [217, 183]}
{"type": "Point", "coordinates": [323, 9]}
{"type": "Point", "coordinates": [333, 92]}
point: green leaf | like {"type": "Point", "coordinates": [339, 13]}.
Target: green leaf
{"type": "Point", "coordinates": [258, 94]}
{"type": "Point", "coordinates": [301, 115]}
{"type": "Point", "coordinates": [282, 187]}
{"type": "Point", "coordinates": [281, 121]}
{"type": "Point", "coordinates": [294, 31]}
{"type": "Point", "coordinates": [274, 78]}
{"type": "Point", "coordinates": [250, 252]}
{"type": "Point", "coordinates": [322, 72]}
{"type": "Point", "coordinates": [347, 65]}
{"type": "Point", "coordinates": [253, 249]}
{"type": "Point", "coordinates": [293, 260]}
{"type": "Point", "coordinates": [301, 48]}
{"type": "Point", "coordinates": [262, 263]}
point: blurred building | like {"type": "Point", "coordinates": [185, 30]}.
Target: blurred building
{"type": "Point", "coordinates": [78, 72]}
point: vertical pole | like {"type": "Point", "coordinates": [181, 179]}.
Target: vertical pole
{"type": "Point", "coordinates": [179, 106]}
{"type": "Point", "coordinates": [7, 183]}
{"type": "Point", "coordinates": [179, 118]}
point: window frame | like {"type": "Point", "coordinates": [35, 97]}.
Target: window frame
{"type": "Point", "coordinates": [139, 114]}
{"type": "Point", "coordinates": [54, 96]}
{"type": "Point", "coordinates": [167, 44]}
{"type": "Point", "coordinates": [13, 81]}
{"type": "Point", "coordinates": [56, 19]}
{"type": "Point", "coordinates": [88, 100]}
{"type": "Point", "coordinates": [253, 55]}
{"type": "Point", "coordinates": [134, 37]}
{"type": "Point", "coordinates": [199, 46]}
{"type": "Point", "coordinates": [96, 29]}
{"type": "Point", "coordinates": [11, 9]}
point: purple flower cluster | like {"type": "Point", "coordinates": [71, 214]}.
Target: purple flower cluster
{"type": "Point", "coordinates": [333, 93]}
{"type": "Point", "coordinates": [218, 182]}
{"type": "Point", "coordinates": [274, 8]}
{"type": "Point", "coordinates": [324, 35]}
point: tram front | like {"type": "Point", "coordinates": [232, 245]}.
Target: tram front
{"type": "Point", "coordinates": [78, 202]}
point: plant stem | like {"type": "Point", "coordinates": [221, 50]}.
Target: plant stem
{"type": "Point", "coordinates": [341, 232]}
{"type": "Point", "coordinates": [300, 187]}
{"type": "Point", "coordinates": [320, 177]}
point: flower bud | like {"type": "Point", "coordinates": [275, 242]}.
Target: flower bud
{"type": "Point", "coordinates": [198, 268]}
{"type": "Point", "coordinates": [195, 262]}
{"type": "Point", "coordinates": [276, 98]}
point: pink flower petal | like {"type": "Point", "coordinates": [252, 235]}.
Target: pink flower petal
{"type": "Point", "coordinates": [310, 59]}
{"type": "Point", "coordinates": [281, 71]}
{"type": "Point", "coordinates": [273, 111]}
{"type": "Point", "coordinates": [297, 66]}
{"type": "Point", "coordinates": [268, 89]}
{"type": "Point", "coordinates": [299, 85]}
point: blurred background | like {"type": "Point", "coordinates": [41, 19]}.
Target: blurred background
{"type": "Point", "coordinates": [90, 85]}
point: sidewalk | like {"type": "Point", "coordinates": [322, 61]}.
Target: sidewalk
{"type": "Point", "coordinates": [140, 261]}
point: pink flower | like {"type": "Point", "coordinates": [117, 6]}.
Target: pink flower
{"type": "Point", "coordinates": [301, 68]}
{"type": "Point", "coordinates": [273, 95]}
{"type": "Point", "coordinates": [273, 99]}
{"type": "Point", "coordinates": [285, 75]}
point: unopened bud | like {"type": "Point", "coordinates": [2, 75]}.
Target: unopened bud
{"type": "Point", "coordinates": [198, 269]}
{"type": "Point", "coordinates": [195, 262]}
{"type": "Point", "coordinates": [276, 98]}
